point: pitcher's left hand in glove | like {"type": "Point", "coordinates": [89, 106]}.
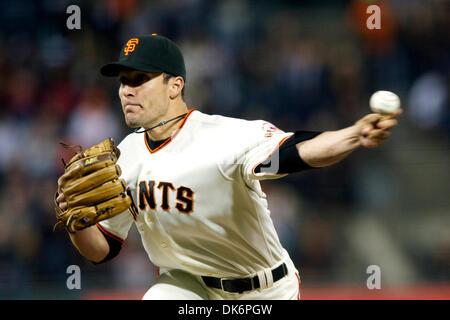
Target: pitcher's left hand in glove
{"type": "Point", "coordinates": [91, 188]}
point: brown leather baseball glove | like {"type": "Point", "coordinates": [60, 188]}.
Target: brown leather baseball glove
{"type": "Point", "coordinates": [91, 187]}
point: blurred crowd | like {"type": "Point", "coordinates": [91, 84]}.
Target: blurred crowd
{"type": "Point", "coordinates": [303, 65]}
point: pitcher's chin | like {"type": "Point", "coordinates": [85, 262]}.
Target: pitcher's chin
{"type": "Point", "coordinates": [131, 121]}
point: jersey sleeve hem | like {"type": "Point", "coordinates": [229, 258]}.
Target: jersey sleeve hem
{"type": "Point", "coordinates": [110, 234]}
{"type": "Point", "coordinates": [263, 174]}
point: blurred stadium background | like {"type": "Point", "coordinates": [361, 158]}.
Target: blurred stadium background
{"type": "Point", "coordinates": [308, 65]}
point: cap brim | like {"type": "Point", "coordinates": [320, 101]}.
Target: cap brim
{"type": "Point", "coordinates": [113, 69]}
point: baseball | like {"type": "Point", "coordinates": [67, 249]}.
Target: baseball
{"type": "Point", "coordinates": [384, 102]}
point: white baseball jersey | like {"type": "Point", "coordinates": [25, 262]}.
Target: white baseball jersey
{"type": "Point", "coordinates": [201, 207]}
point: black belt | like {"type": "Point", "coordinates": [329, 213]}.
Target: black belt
{"type": "Point", "coordinates": [244, 284]}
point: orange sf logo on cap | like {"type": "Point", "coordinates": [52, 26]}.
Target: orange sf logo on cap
{"type": "Point", "coordinates": [131, 45]}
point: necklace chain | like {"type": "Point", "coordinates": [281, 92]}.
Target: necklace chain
{"type": "Point", "coordinates": [160, 124]}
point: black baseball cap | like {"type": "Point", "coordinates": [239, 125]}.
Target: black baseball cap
{"type": "Point", "coordinates": [148, 53]}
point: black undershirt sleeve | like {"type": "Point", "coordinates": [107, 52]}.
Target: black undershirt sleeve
{"type": "Point", "coordinates": [289, 159]}
{"type": "Point", "coordinates": [114, 247]}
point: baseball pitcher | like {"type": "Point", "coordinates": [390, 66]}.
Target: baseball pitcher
{"type": "Point", "coordinates": [190, 183]}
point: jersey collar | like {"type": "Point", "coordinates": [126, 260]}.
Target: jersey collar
{"type": "Point", "coordinates": [148, 143]}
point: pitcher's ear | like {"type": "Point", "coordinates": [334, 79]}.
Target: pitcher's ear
{"type": "Point", "coordinates": [176, 85]}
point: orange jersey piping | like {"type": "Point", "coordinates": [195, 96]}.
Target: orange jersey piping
{"type": "Point", "coordinates": [278, 147]}
{"type": "Point", "coordinates": [110, 234]}
{"type": "Point", "coordinates": [171, 138]}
